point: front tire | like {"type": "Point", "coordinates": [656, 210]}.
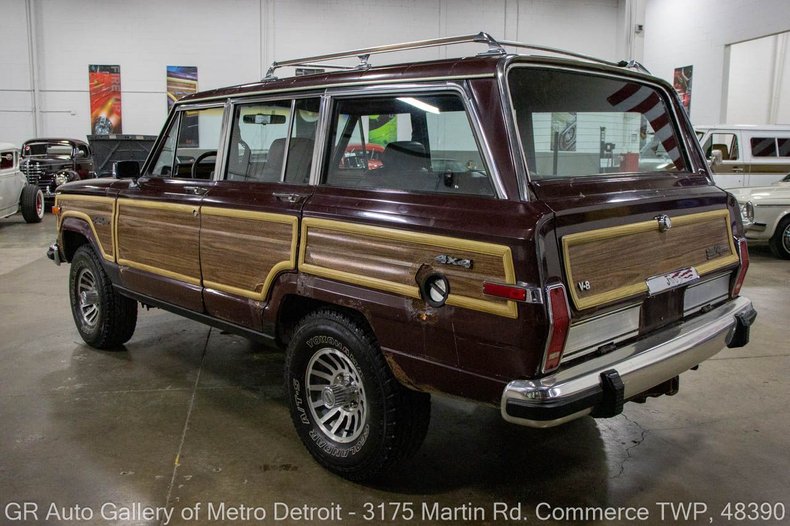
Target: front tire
{"type": "Point", "coordinates": [780, 241]}
{"type": "Point", "coordinates": [32, 204]}
{"type": "Point", "coordinates": [105, 319]}
{"type": "Point", "coordinates": [349, 411]}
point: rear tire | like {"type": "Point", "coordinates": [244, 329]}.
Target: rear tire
{"type": "Point", "coordinates": [349, 411]}
{"type": "Point", "coordinates": [32, 203]}
{"type": "Point", "coordinates": [780, 241]}
{"type": "Point", "coordinates": [105, 319]}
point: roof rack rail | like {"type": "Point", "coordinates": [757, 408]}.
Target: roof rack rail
{"type": "Point", "coordinates": [495, 47]}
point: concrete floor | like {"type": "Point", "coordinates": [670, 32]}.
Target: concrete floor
{"type": "Point", "coordinates": [190, 415]}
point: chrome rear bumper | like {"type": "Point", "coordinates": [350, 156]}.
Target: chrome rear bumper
{"type": "Point", "coordinates": [601, 385]}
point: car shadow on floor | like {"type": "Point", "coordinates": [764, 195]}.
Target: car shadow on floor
{"type": "Point", "coordinates": [468, 448]}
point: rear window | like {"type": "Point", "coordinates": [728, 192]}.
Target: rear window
{"type": "Point", "coordinates": [573, 124]}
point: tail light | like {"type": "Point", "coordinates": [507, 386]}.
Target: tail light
{"type": "Point", "coordinates": [743, 253]}
{"type": "Point", "coordinates": [559, 323]}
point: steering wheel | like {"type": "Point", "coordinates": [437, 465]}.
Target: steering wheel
{"type": "Point", "coordinates": [193, 171]}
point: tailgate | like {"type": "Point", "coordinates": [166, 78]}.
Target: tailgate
{"type": "Point", "coordinates": [639, 264]}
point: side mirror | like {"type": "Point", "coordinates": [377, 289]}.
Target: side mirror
{"type": "Point", "coordinates": [126, 169]}
{"type": "Point", "coordinates": [716, 157]}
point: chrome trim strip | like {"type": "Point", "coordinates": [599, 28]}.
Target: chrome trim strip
{"type": "Point", "coordinates": [706, 292]}
{"type": "Point", "coordinates": [641, 365]}
{"type": "Point", "coordinates": [360, 82]}
{"type": "Point", "coordinates": [324, 116]}
{"type": "Point", "coordinates": [473, 117]}
{"type": "Point", "coordinates": [613, 327]}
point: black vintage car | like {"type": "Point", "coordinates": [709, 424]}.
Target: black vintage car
{"type": "Point", "coordinates": [49, 163]}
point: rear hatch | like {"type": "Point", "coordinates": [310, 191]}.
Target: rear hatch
{"type": "Point", "coordinates": [642, 238]}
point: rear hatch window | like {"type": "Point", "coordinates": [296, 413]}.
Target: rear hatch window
{"type": "Point", "coordinates": [576, 124]}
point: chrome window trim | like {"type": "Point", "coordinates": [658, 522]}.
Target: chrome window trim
{"type": "Point", "coordinates": [510, 63]}
{"type": "Point", "coordinates": [233, 102]}
{"type": "Point", "coordinates": [472, 117]}
{"type": "Point", "coordinates": [175, 113]}
{"type": "Point", "coordinates": [320, 87]}
{"type": "Point", "coordinates": [324, 116]}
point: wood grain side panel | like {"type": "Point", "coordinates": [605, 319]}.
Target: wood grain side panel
{"type": "Point", "coordinates": [617, 261]}
{"type": "Point", "coordinates": [160, 240]}
{"type": "Point", "coordinates": [97, 212]}
{"type": "Point", "coordinates": [370, 258]}
{"type": "Point", "coordinates": [238, 254]}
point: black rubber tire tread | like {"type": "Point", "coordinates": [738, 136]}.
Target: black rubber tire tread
{"type": "Point", "coordinates": [117, 313]}
{"type": "Point", "coordinates": [28, 203]}
{"type": "Point", "coordinates": [407, 413]}
{"type": "Point", "coordinates": [776, 240]}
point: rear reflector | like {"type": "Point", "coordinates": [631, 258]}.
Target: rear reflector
{"type": "Point", "coordinates": [743, 252]}
{"type": "Point", "coordinates": [55, 210]}
{"type": "Point", "coordinates": [509, 292]}
{"type": "Point", "coordinates": [560, 320]}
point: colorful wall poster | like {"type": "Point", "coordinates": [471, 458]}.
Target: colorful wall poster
{"type": "Point", "coordinates": [105, 95]}
{"type": "Point", "coordinates": [181, 81]}
{"type": "Point", "coordinates": [383, 129]}
{"type": "Point", "coordinates": [682, 83]}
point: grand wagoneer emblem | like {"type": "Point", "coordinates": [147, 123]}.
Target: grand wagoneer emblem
{"type": "Point", "coordinates": [664, 223]}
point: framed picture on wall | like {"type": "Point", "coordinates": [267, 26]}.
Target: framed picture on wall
{"type": "Point", "coordinates": [682, 82]}
{"type": "Point", "coordinates": [104, 84]}
{"type": "Point", "coordinates": [181, 81]}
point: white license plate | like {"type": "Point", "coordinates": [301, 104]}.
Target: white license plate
{"type": "Point", "coordinates": [680, 277]}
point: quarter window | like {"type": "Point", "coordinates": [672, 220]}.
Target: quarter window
{"type": "Point", "coordinates": [414, 143]}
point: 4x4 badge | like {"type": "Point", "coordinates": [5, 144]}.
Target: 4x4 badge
{"type": "Point", "coordinates": [444, 259]}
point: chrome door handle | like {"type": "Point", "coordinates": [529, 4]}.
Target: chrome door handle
{"type": "Point", "coordinates": [196, 190]}
{"type": "Point", "coordinates": [289, 198]}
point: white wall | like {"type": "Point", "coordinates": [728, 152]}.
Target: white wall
{"type": "Point", "coordinates": [682, 32]}
{"type": "Point", "coordinates": [234, 41]}
{"type": "Point", "coordinates": [758, 90]}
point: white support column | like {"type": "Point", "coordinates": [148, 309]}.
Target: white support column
{"type": "Point", "coordinates": [777, 79]}
{"type": "Point", "coordinates": [32, 50]}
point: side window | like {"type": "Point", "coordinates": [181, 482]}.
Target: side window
{"type": "Point", "coordinates": [763, 146]}
{"type": "Point", "coordinates": [784, 147]}
{"type": "Point", "coordinates": [727, 143]}
{"type": "Point", "coordinates": [261, 132]}
{"type": "Point", "coordinates": [419, 143]}
{"type": "Point", "coordinates": [190, 147]}
{"type": "Point", "coordinates": [257, 141]}
{"type": "Point", "coordinates": [6, 160]}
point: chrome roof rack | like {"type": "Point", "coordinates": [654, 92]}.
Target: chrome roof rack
{"type": "Point", "coordinates": [495, 47]}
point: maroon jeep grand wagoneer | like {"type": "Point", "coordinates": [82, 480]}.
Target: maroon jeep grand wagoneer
{"type": "Point", "coordinates": [568, 254]}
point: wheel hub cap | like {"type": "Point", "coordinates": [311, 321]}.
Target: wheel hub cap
{"type": "Point", "coordinates": [87, 298]}
{"type": "Point", "coordinates": [336, 394]}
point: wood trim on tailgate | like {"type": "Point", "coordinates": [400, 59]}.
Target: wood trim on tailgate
{"type": "Point", "coordinates": [614, 269]}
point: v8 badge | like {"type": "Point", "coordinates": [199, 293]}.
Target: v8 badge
{"type": "Point", "coordinates": [584, 285]}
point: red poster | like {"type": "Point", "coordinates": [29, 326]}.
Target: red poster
{"type": "Point", "coordinates": [682, 83]}
{"type": "Point", "coordinates": [105, 92]}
